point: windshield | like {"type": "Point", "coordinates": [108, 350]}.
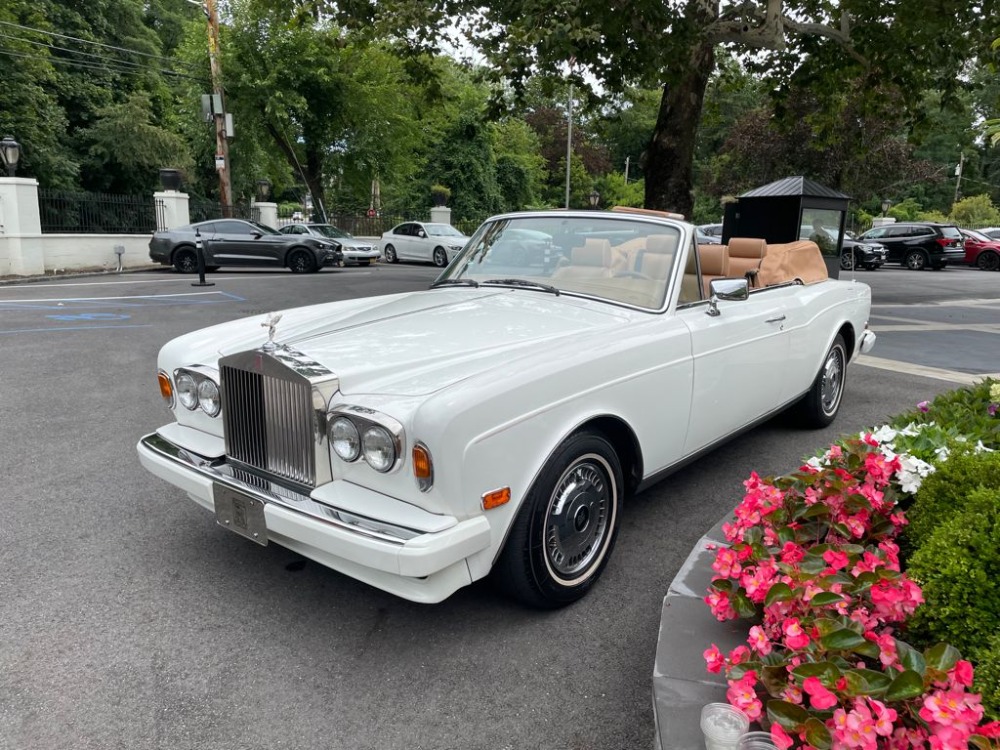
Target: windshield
{"type": "Point", "coordinates": [442, 230]}
{"type": "Point", "coordinates": [328, 230]}
{"type": "Point", "coordinates": [264, 228]}
{"type": "Point", "coordinates": [623, 260]}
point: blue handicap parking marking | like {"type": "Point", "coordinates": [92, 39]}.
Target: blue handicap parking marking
{"type": "Point", "coordinates": [90, 316]}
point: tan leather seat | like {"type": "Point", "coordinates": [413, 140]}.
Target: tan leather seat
{"type": "Point", "coordinates": [656, 259]}
{"type": "Point", "coordinates": [714, 264]}
{"type": "Point", "coordinates": [591, 260]}
{"type": "Point", "coordinates": [745, 255]}
{"type": "Point", "coordinates": [795, 261]}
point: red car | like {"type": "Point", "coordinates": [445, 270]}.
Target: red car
{"type": "Point", "coordinates": [981, 250]}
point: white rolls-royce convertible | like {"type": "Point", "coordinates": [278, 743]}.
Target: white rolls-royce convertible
{"type": "Point", "coordinates": [494, 423]}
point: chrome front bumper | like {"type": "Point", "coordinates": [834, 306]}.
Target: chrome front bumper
{"type": "Point", "coordinates": [423, 560]}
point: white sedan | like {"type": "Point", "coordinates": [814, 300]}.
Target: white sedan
{"type": "Point", "coordinates": [495, 423]}
{"type": "Point", "coordinates": [414, 240]}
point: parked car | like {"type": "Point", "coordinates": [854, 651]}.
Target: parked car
{"type": "Point", "coordinates": [712, 230]}
{"type": "Point", "coordinates": [919, 244]}
{"type": "Point", "coordinates": [853, 252]}
{"type": "Point", "coordinates": [235, 242]}
{"type": "Point", "coordinates": [981, 250]}
{"type": "Point", "coordinates": [991, 232]}
{"type": "Point", "coordinates": [707, 239]}
{"type": "Point", "coordinates": [495, 422]}
{"type": "Point", "coordinates": [414, 240]}
{"type": "Point", "coordinates": [362, 252]}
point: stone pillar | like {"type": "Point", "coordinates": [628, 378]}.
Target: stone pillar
{"type": "Point", "coordinates": [881, 221]}
{"type": "Point", "coordinates": [267, 213]}
{"type": "Point", "coordinates": [441, 215]}
{"type": "Point", "coordinates": [21, 251]}
{"type": "Point", "coordinates": [171, 209]}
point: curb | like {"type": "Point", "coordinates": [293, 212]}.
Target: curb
{"type": "Point", "coordinates": [681, 685]}
{"type": "Point", "coordinates": [14, 280]}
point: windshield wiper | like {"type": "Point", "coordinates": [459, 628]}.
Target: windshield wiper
{"type": "Point", "coordinates": [455, 282]}
{"type": "Point", "coordinates": [523, 282]}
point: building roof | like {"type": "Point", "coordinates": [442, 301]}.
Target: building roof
{"type": "Point", "coordinates": [794, 186]}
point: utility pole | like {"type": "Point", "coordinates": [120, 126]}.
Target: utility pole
{"type": "Point", "coordinates": [626, 168]}
{"type": "Point", "coordinates": [569, 137]}
{"type": "Point", "coordinates": [958, 174]}
{"type": "Point", "coordinates": [221, 142]}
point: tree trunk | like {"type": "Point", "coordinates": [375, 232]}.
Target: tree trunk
{"type": "Point", "coordinates": [669, 156]}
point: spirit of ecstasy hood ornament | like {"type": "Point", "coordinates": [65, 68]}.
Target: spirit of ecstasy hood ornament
{"type": "Point", "coordinates": [271, 324]}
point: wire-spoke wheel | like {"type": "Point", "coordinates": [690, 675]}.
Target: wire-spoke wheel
{"type": "Point", "coordinates": [440, 257]}
{"type": "Point", "coordinates": [390, 254]}
{"type": "Point", "coordinates": [185, 260]}
{"type": "Point", "coordinates": [820, 405]}
{"type": "Point", "coordinates": [564, 532]}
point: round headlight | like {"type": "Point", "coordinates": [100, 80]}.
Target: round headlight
{"type": "Point", "coordinates": [187, 391]}
{"type": "Point", "coordinates": [208, 397]}
{"type": "Point", "coordinates": [345, 439]}
{"type": "Point", "coordinates": [379, 449]}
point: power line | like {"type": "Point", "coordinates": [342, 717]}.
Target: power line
{"type": "Point", "coordinates": [102, 67]}
{"type": "Point", "coordinates": [126, 50]}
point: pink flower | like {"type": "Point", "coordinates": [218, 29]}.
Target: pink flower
{"type": "Point", "coordinates": [795, 636]}
{"type": "Point", "coordinates": [884, 717]}
{"type": "Point", "coordinates": [887, 650]}
{"type": "Point", "coordinates": [962, 673]}
{"type": "Point", "coordinates": [792, 553]}
{"type": "Point", "coordinates": [780, 737]}
{"type": "Point", "coordinates": [991, 730]}
{"type": "Point", "coordinates": [726, 563]}
{"type": "Point", "coordinates": [739, 655]}
{"type": "Point", "coordinates": [741, 693]}
{"type": "Point", "coordinates": [924, 406]}
{"type": "Point", "coordinates": [819, 697]}
{"type": "Point", "coordinates": [713, 658]}
{"type": "Point", "coordinates": [722, 608]}
{"type": "Point", "coordinates": [758, 641]}
{"type": "Point", "coordinates": [792, 694]}
{"type": "Point", "coordinates": [835, 559]}
{"type": "Point", "coordinates": [992, 409]}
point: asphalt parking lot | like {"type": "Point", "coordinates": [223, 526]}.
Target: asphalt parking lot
{"type": "Point", "coordinates": [128, 619]}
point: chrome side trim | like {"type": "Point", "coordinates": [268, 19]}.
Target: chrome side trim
{"type": "Point", "coordinates": [269, 492]}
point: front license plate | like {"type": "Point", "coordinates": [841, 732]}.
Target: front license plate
{"type": "Point", "coordinates": [240, 513]}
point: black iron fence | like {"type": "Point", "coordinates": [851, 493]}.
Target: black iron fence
{"type": "Point", "coordinates": [200, 209]}
{"type": "Point", "coordinates": [95, 213]}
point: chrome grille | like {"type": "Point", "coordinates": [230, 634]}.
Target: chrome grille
{"type": "Point", "coordinates": [268, 422]}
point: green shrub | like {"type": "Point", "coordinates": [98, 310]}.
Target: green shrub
{"type": "Point", "coordinates": [958, 567]}
{"type": "Point", "coordinates": [946, 493]}
{"type": "Point", "coordinates": [962, 411]}
{"type": "Point", "coordinates": [987, 683]}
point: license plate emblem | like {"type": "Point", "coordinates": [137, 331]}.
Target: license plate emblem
{"type": "Point", "coordinates": [240, 513]}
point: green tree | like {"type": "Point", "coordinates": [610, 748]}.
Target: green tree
{"type": "Point", "coordinates": [976, 210]}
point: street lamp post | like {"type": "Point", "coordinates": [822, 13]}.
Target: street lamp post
{"type": "Point", "coordinates": [886, 205]}
{"type": "Point", "coordinates": [594, 198]}
{"type": "Point", "coordinates": [263, 190]}
{"type": "Point", "coordinates": [10, 154]}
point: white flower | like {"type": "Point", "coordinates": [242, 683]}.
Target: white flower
{"type": "Point", "coordinates": [995, 392]}
{"type": "Point", "coordinates": [912, 472]}
{"type": "Point", "coordinates": [942, 453]}
{"type": "Point", "coordinates": [980, 448]}
{"type": "Point", "coordinates": [816, 462]}
{"type": "Point", "coordinates": [912, 430]}
{"type": "Point", "coordinates": [884, 434]}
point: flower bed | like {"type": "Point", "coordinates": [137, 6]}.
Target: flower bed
{"type": "Point", "coordinates": [813, 561]}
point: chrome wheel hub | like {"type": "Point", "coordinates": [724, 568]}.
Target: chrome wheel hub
{"type": "Point", "coordinates": [577, 520]}
{"type": "Point", "coordinates": [833, 381]}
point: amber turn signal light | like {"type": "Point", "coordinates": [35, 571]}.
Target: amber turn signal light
{"type": "Point", "coordinates": [496, 498]}
{"type": "Point", "coordinates": [166, 389]}
{"type": "Point", "coordinates": [423, 467]}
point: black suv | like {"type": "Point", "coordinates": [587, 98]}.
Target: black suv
{"type": "Point", "coordinates": [919, 244]}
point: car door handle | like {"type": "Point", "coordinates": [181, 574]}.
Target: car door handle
{"type": "Point", "coordinates": [776, 320]}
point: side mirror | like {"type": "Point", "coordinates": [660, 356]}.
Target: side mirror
{"type": "Point", "coordinates": [256, 235]}
{"type": "Point", "coordinates": [422, 233]}
{"type": "Point", "coordinates": [727, 289]}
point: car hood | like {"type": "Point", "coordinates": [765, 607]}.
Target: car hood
{"type": "Point", "coordinates": [421, 342]}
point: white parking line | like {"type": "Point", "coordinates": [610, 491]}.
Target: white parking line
{"type": "Point", "coordinates": [935, 373]}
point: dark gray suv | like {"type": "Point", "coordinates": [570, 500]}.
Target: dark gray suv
{"type": "Point", "coordinates": [919, 244]}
